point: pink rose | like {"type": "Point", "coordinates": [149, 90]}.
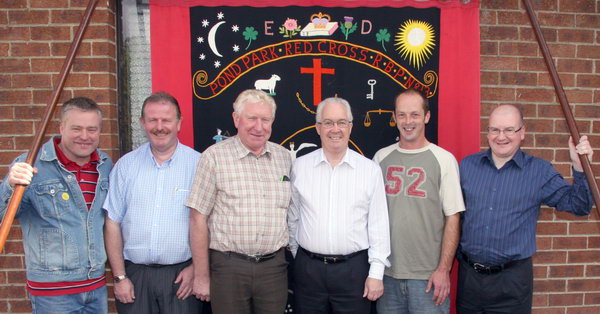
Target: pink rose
{"type": "Point", "coordinates": [290, 24]}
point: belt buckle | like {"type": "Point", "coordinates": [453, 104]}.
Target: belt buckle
{"type": "Point", "coordinates": [480, 267]}
{"type": "Point", "coordinates": [330, 259]}
{"type": "Point", "coordinates": [257, 258]}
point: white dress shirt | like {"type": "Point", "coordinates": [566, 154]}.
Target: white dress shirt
{"type": "Point", "coordinates": [340, 210]}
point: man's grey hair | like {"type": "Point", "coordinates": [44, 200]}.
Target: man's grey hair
{"type": "Point", "coordinates": [332, 100]}
{"type": "Point", "coordinates": [253, 96]}
{"type": "Point", "coordinates": [81, 103]}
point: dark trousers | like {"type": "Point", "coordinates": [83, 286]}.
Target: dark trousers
{"type": "Point", "coordinates": [508, 291]}
{"type": "Point", "coordinates": [243, 286]}
{"type": "Point", "coordinates": [330, 288]}
{"type": "Point", "coordinates": [155, 290]}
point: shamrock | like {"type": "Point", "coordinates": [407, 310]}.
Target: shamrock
{"type": "Point", "coordinates": [383, 36]}
{"type": "Point", "coordinates": [250, 34]}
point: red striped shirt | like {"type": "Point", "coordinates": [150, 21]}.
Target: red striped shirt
{"type": "Point", "coordinates": [87, 176]}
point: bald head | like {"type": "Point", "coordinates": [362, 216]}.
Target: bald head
{"type": "Point", "coordinates": [508, 110]}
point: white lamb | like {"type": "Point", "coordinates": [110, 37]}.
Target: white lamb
{"type": "Point", "coordinates": [268, 84]}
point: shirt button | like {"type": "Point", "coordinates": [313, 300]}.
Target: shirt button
{"type": "Point", "coordinates": [490, 208]}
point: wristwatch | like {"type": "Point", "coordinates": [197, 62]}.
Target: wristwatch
{"type": "Point", "coordinates": [120, 278]}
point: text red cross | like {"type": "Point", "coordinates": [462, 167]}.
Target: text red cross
{"type": "Point", "coordinates": [317, 71]}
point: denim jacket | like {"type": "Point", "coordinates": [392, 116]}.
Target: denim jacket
{"type": "Point", "coordinates": [63, 241]}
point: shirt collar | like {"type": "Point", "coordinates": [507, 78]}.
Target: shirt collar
{"type": "Point", "coordinates": [65, 161]}
{"type": "Point", "coordinates": [168, 161]}
{"type": "Point", "coordinates": [347, 159]}
{"type": "Point", "coordinates": [518, 158]}
{"type": "Point", "coordinates": [242, 151]}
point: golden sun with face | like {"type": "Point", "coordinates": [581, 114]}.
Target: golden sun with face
{"type": "Point", "coordinates": [415, 40]}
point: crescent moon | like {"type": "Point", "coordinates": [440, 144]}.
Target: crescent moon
{"type": "Point", "coordinates": [211, 38]}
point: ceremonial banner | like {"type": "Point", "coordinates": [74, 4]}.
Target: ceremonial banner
{"type": "Point", "coordinates": [300, 52]}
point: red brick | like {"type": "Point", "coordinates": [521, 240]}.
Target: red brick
{"type": "Point", "coordinates": [583, 6]}
{"type": "Point", "coordinates": [12, 97]}
{"type": "Point", "coordinates": [596, 127]}
{"type": "Point", "coordinates": [585, 80]}
{"type": "Point", "coordinates": [543, 243]}
{"type": "Point", "coordinates": [584, 228]}
{"type": "Point", "coordinates": [487, 17]}
{"type": "Point", "coordinates": [574, 65]}
{"type": "Point", "coordinates": [549, 285]}
{"type": "Point", "coordinates": [49, 3]}
{"type": "Point", "coordinates": [4, 49]}
{"type": "Point", "coordinates": [104, 49]}
{"type": "Point", "coordinates": [543, 5]}
{"type": "Point", "coordinates": [594, 242]}
{"type": "Point", "coordinates": [566, 271]}
{"type": "Point", "coordinates": [498, 63]}
{"type": "Point", "coordinates": [13, 292]}
{"type": "Point", "coordinates": [591, 298]}
{"type": "Point", "coordinates": [488, 48]}
{"type": "Point", "coordinates": [556, 19]}
{"type": "Point", "coordinates": [14, 4]}
{"type": "Point", "coordinates": [549, 257]}
{"type": "Point", "coordinates": [583, 111]}
{"type": "Point", "coordinates": [583, 256]}
{"type": "Point", "coordinates": [30, 112]}
{"type": "Point", "coordinates": [500, 4]}
{"type": "Point", "coordinates": [526, 33]}
{"type": "Point", "coordinates": [16, 276]}
{"type": "Point", "coordinates": [540, 300]}
{"type": "Point", "coordinates": [29, 49]}
{"type": "Point", "coordinates": [20, 306]}
{"type": "Point", "coordinates": [14, 33]}
{"type": "Point", "coordinates": [4, 17]}
{"type": "Point", "coordinates": [23, 142]}
{"type": "Point", "coordinates": [561, 243]}
{"type": "Point", "coordinates": [588, 51]}
{"type": "Point", "coordinates": [581, 97]}
{"type": "Point", "coordinates": [566, 79]}
{"type": "Point", "coordinates": [11, 262]}
{"type": "Point", "coordinates": [587, 20]}
{"type": "Point", "coordinates": [487, 78]}
{"type": "Point", "coordinates": [98, 95]}
{"type": "Point", "coordinates": [74, 80]}
{"type": "Point", "coordinates": [499, 94]}
{"type": "Point", "coordinates": [61, 49]}
{"type": "Point", "coordinates": [518, 49]}
{"type": "Point", "coordinates": [499, 32]}
{"type": "Point", "coordinates": [51, 33]}
{"type": "Point", "coordinates": [550, 140]}
{"type": "Point", "coordinates": [513, 18]}
{"type": "Point", "coordinates": [103, 80]}
{"type": "Point", "coordinates": [518, 78]}
{"type": "Point", "coordinates": [66, 16]}
{"type": "Point", "coordinates": [31, 80]}
{"type": "Point", "coordinates": [94, 65]}
{"type": "Point", "coordinates": [576, 35]}
{"type": "Point", "coordinates": [565, 299]}
{"type": "Point", "coordinates": [548, 310]}
{"type": "Point", "coordinates": [47, 64]}
{"type": "Point", "coordinates": [100, 32]}
{"type": "Point", "coordinates": [28, 17]}
{"type": "Point", "coordinates": [584, 285]}
{"type": "Point", "coordinates": [551, 228]}
{"type": "Point", "coordinates": [562, 50]}
{"type": "Point", "coordinates": [14, 65]}
{"type": "Point", "coordinates": [535, 95]}
{"type": "Point", "coordinates": [532, 64]}
{"type": "Point", "coordinates": [5, 83]}
{"type": "Point", "coordinates": [7, 143]}
{"type": "Point", "coordinates": [42, 96]}
{"type": "Point", "coordinates": [102, 16]}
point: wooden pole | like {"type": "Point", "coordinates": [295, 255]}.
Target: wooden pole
{"type": "Point", "coordinates": [17, 195]}
{"type": "Point", "coordinates": [562, 98]}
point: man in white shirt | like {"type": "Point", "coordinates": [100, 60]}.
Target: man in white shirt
{"type": "Point", "coordinates": [338, 221]}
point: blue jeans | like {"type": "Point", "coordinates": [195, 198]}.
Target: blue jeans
{"type": "Point", "coordinates": [408, 296]}
{"type": "Point", "coordinates": [92, 302]}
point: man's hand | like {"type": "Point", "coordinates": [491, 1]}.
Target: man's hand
{"type": "Point", "coordinates": [202, 288]}
{"type": "Point", "coordinates": [20, 173]}
{"type": "Point", "coordinates": [373, 289]}
{"type": "Point", "coordinates": [186, 278]}
{"type": "Point", "coordinates": [583, 148]}
{"type": "Point", "coordinates": [124, 291]}
{"type": "Point", "coordinates": [440, 280]}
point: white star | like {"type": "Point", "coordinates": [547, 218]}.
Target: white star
{"type": "Point", "coordinates": [220, 15]}
{"type": "Point", "coordinates": [202, 56]}
{"type": "Point", "coordinates": [217, 64]}
{"type": "Point", "coordinates": [236, 48]}
{"type": "Point", "coordinates": [205, 23]}
{"type": "Point", "coordinates": [200, 39]}
{"type": "Point", "coordinates": [235, 28]}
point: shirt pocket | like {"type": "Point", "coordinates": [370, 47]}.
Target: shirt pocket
{"type": "Point", "coordinates": [52, 198]}
{"type": "Point", "coordinates": [58, 251]}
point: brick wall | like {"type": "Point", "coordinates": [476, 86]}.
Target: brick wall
{"type": "Point", "coordinates": [35, 36]}
{"type": "Point", "coordinates": [567, 265]}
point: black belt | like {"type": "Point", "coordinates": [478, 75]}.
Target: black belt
{"type": "Point", "coordinates": [331, 259]}
{"type": "Point", "coordinates": [490, 269]}
{"type": "Point", "coordinates": [160, 265]}
{"type": "Point", "coordinates": [253, 258]}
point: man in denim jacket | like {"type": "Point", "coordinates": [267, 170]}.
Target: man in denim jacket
{"type": "Point", "coordinates": [61, 214]}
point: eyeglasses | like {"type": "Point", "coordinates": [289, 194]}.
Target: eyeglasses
{"type": "Point", "coordinates": [342, 124]}
{"type": "Point", "coordinates": [507, 131]}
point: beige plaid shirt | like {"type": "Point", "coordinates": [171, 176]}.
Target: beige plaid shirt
{"type": "Point", "coordinates": [246, 197]}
